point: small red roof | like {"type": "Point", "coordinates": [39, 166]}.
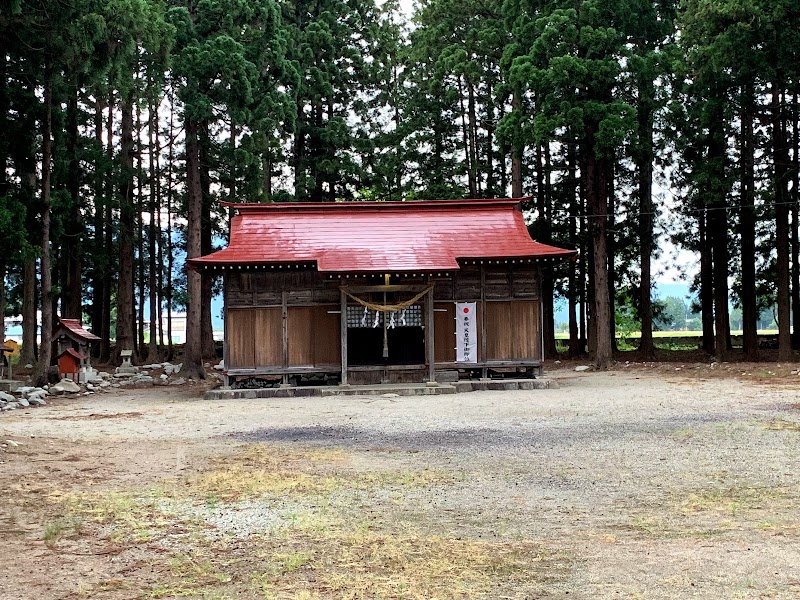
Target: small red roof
{"type": "Point", "coordinates": [72, 352]}
{"type": "Point", "coordinates": [378, 236]}
{"type": "Point", "coordinates": [74, 327]}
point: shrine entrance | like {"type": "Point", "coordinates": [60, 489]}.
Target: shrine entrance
{"type": "Point", "coordinates": [385, 333]}
{"type": "Point", "coordinates": [385, 338]}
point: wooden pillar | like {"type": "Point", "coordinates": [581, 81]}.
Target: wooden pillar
{"type": "Point", "coordinates": [285, 336]}
{"type": "Point", "coordinates": [429, 341]}
{"type": "Point", "coordinates": [482, 333]}
{"type": "Point", "coordinates": [541, 319]}
{"type": "Point", "coordinates": [225, 278]}
{"type": "Point", "coordinates": [343, 335]}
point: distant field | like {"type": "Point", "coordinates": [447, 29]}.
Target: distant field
{"type": "Point", "coordinates": [675, 334]}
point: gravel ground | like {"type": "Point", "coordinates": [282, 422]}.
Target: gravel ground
{"type": "Point", "coordinates": [654, 486]}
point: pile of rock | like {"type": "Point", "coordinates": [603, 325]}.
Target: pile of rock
{"type": "Point", "coordinates": [149, 376]}
{"type": "Point", "coordinates": [135, 377]}
{"type": "Point", "coordinates": [29, 396]}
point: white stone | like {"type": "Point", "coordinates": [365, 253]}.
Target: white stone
{"type": "Point", "coordinates": [23, 402]}
{"type": "Point", "coordinates": [582, 368]}
{"type": "Point", "coordinates": [164, 377]}
{"type": "Point", "coordinates": [29, 366]}
{"type": "Point", "coordinates": [66, 386]}
{"type": "Point", "coordinates": [7, 397]}
{"type": "Point", "coordinates": [220, 366]}
{"type": "Point", "coordinates": [178, 381]}
{"type": "Point", "coordinates": [36, 401]}
{"type": "Point", "coordinates": [12, 443]}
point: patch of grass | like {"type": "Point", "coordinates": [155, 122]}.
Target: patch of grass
{"type": "Point", "coordinates": [236, 482]}
{"type": "Point", "coordinates": [732, 499]}
{"type": "Point", "coordinates": [132, 516]}
{"type": "Point", "coordinates": [780, 424]}
{"type": "Point", "coordinates": [295, 560]}
{"type": "Point", "coordinates": [356, 561]}
{"type": "Point", "coordinates": [268, 471]}
{"type": "Point", "coordinates": [684, 434]}
{"type": "Point", "coordinates": [195, 575]}
{"type": "Point", "coordinates": [64, 527]}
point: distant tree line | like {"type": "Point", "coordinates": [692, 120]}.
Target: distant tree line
{"type": "Point", "coordinates": [125, 123]}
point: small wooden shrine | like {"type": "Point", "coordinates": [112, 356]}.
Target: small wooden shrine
{"type": "Point", "coordinates": [370, 292]}
{"type": "Point", "coordinates": [70, 334]}
{"type": "Point", "coordinates": [69, 364]}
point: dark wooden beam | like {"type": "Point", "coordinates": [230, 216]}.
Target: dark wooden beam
{"type": "Point", "coordinates": [429, 349]}
{"type": "Point", "coordinates": [343, 335]}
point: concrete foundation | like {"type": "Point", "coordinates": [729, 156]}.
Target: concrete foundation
{"type": "Point", "coordinates": [378, 390]}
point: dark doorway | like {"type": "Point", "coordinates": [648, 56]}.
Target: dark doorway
{"type": "Point", "coordinates": [405, 337]}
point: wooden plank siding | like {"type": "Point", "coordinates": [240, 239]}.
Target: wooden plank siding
{"type": "Point", "coordinates": [268, 336]}
{"type": "Point", "coordinates": [313, 335]}
{"type": "Point", "coordinates": [254, 337]}
{"type": "Point", "coordinates": [513, 331]}
{"type": "Point", "coordinates": [256, 302]}
{"type": "Point", "coordinates": [444, 331]}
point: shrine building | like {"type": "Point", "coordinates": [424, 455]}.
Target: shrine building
{"type": "Point", "coordinates": [380, 292]}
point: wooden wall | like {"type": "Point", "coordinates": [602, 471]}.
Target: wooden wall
{"type": "Point", "coordinates": [513, 330]}
{"type": "Point", "coordinates": [257, 301]}
{"type": "Point", "coordinates": [313, 336]}
{"type": "Point", "coordinates": [254, 337]}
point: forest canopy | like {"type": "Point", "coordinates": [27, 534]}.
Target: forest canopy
{"type": "Point", "coordinates": [629, 123]}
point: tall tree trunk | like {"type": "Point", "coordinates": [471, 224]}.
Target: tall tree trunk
{"type": "Point", "coordinates": [573, 186]}
{"type": "Point", "coordinates": [795, 199]}
{"type": "Point", "coordinates": [105, 336]}
{"type": "Point", "coordinates": [30, 325]}
{"type": "Point", "coordinates": [152, 346]}
{"type": "Point", "coordinates": [491, 192]}
{"type": "Point", "coordinates": [99, 259]}
{"type": "Point", "coordinates": [706, 283]}
{"type": "Point", "coordinates": [266, 168]}
{"type": "Point", "coordinates": [125, 312]}
{"type": "Point", "coordinates": [543, 203]}
{"type": "Point", "coordinates": [3, 122]}
{"type": "Point", "coordinates": [168, 233]}
{"type": "Point", "coordinates": [644, 175]}
{"type": "Point", "coordinates": [781, 179]}
{"type": "Point", "coordinates": [516, 152]}
{"type": "Point", "coordinates": [30, 321]}
{"type": "Point", "coordinates": [140, 209]}
{"type": "Point", "coordinates": [207, 283]}
{"type": "Point", "coordinates": [473, 137]}
{"type": "Point", "coordinates": [596, 170]}
{"type": "Point", "coordinates": [747, 229]}
{"type": "Point", "coordinates": [299, 152]}
{"type": "Point", "coordinates": [473, 188]}
{"type": "Point", "coordinates": [72, 307]}
{"type": "Point", "coordinates": [193, 350]}
{"type": "Point", "coordinates": [45, 352]}
{"type": "Point", "coordinates": [611, 242]}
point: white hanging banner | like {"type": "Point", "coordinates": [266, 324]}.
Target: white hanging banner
{"type": "Point", "coordinates": [466, 332]}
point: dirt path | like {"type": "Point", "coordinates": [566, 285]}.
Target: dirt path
{"type": "Point", "coordinates": [644, 482]}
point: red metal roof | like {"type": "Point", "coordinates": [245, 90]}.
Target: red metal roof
{"type": "Point", "coordinates": [72, 352]}
{"type": "Point", "coordinates": [378, 236]}
{"type": "Point", "coordinates": [74, 327]}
